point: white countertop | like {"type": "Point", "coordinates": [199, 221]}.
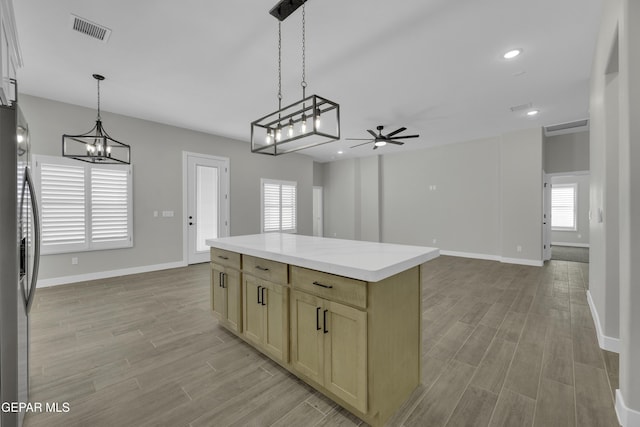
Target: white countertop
{"type": "Point", "coordinates": [368, 261]}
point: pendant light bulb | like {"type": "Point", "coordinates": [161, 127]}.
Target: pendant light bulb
{"type": "Point", "coordinates": [317, 119]}
{"type": "Point", "coordinates": [290, 130]}
{"type": "Point", "coordinates": [303, 124]}
{"type": "Point", "coordinates": [268, 139]}
{"type": "Point", "coordinates": [278, 133]}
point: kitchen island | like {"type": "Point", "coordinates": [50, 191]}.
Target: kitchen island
{"type": "Point", "coordinates": [342, 315]}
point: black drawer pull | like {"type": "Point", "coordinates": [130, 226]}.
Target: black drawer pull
{"type": "Point", "coordinates": [262, 268]}
{"type": "Point", "coordinates": [223, 257]}
{"type": "Point", "coordinates": [262, 291]}
{"type": "Point", "coordinates": [259, 302]}
{"type": "Point", "coordinates": [220, 279]}
{"type": "Point", "coordinates": [318, 319]}
{"type": "Point", "coordinates": [325, 321]}
{"type": "Point", "coordinates": [322, 285]}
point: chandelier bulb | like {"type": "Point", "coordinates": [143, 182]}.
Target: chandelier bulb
{"type": "Point", "coordinates": [290, 130]}
{"type": "Point", "coordinates": [278, 133]}
{"type": "Point", "coordinates": [303, 123]}
{"type": "Point", "coordinates": [317, 119]}
{"type": "Point", "coordinates": [268, 138]}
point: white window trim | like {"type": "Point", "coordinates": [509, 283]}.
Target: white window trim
{"type": "Point", "coordinates": [294, 184]}
{"type": "Point", "coordinates": [88, 245]}
{"type": "Point", "coordinates": [575, 207]}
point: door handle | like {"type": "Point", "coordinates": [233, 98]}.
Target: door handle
{"type": "Point", "coordinates": [322, 285]}
{"type": "Point", "coordinates": [223, 279]}
{"type": "Point", "coordinates": [37, 240]}
{"type": "Point", "coordinates": [220, 279]}
{"type": "Point", "coordinates": [262, 291]}
{"type": "Point", "coordinates": [259, 302]}
{"type": "Point", "coordinates": [324, 321]}
{"type": "Point", "coordinates": [318, 319]}
{"type": "Point", "coordinates": [262, 268]}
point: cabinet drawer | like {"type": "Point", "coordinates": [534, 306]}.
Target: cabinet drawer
{"type": "Point", "coordinates": [272, 271]}
{"type": "Point", "coordinates": [225, 258]}
{"type": "Point", "coordinates": [330, 286]}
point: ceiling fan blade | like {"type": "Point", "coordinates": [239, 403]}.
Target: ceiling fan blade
{"type": "Point", "coordinates": [395, 142]}
{"type": "Point", "coordinates": [407, 136]}
{"type": "Point", "coordinates": [375, 147]}
{"type": "Point", "coordinates": [359, 139]}
{"type": "Point", "coordinates": [358, 145]}
{"type": "Point", "coordinates": [397, 131]}
{"type": "Point", "coordinates": [372, 133]}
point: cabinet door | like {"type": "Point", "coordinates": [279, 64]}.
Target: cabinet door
{"type": "Point", "coordinates": [218, 294]}
{"type": "Point", "coordinates": [233, 290]}
{"type": "Point", "coordinates": [276, 321]}
{"type": "Point", "coordinates": [252, 310]}
{"type": "Point", "coordinates": [345, 353]}
{"type": "Point", "coordinates": [306, 335]}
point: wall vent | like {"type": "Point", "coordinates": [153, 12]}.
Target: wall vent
{"type": "Point", "coordinates": [89, 28]}
{"type": "Point", "coordinates": [569, 127]}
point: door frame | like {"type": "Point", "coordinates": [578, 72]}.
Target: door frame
{"type": "Point", "coordinates": [318, 189]}
{"type": "Point", "coordinates": [224, 186]}
{"type": "Point", "coordinates": [546, 216]}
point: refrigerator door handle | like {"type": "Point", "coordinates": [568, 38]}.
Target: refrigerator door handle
{"type": "Point", "coordinates": [37, 238]}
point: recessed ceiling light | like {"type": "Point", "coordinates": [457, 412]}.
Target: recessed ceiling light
{"type": "Point", "coordinates": [532, 113]}
{"type": "Point", "coordinates": [512, 54]}
{"type": "Point", "coordinates": [340, 152]}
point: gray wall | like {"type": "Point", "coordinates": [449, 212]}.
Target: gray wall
{"type": "Point", "coordinates": [581, 235]}
{"type": "Point", "coordinates": [615, 191]}
{"type": "Point", "coordinates": [567, 153]}
{"type": "Point", "coordinates": [157, 183]}
{"type": "Point", "coordinates": [478, 198]}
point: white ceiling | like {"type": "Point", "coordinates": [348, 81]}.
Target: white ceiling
{"type": "Point", "coordinates": [434, 66]}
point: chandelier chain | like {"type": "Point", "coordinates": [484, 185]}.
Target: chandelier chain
{"type": "Point", "coordinates": [279, 64]}
{"type": "Point", "coordinates": [98, 81]}
{"type": "Point", "coordinates": [304, 52]}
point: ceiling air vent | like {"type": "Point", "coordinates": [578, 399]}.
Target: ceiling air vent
{"type": "Point", "coordinates": [90, 29]}
{"type": "Point", "coordinates": [570, 127]}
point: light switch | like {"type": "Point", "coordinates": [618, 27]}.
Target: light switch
{"type": "Point", "coordinates": [167, 214]}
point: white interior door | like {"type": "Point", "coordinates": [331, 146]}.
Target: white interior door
{"type": "Point", "coordinates": [546, 217]}
{"type": "Point", "coordinates": [317, 211]}
{"type": "Point", "coordinates": [206, 211]}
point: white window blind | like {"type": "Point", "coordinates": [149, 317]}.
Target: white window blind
{"type": "Point", "coordinates": [83, 207]}
{"type": "Point", "coordinates": [563, 207]}
{"type": "Point", "coordinates": [278, 206]}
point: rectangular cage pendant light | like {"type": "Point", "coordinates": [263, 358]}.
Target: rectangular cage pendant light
{"type": "Point", "coordinates": [307, 123]}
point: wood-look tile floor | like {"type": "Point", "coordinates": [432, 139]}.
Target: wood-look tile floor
{"type": "Point", "coordinates": [503, 345]}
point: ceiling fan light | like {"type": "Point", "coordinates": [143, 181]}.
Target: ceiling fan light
{"type": "Point", "coordinates": [380, 143]}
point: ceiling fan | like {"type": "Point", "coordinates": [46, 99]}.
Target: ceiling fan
{"type": "Point", "coordinates": [380, 140]}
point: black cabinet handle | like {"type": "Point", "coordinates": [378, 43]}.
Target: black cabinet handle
{"type": "Point", "coordinates": [322, 285]}
{"type": "Point", "coordinates": [318, 319]}
{"type": "Point", "coordinates": [220, 279]}
{"type": "Point", "coordinates": [259, 302]}
{"type": "Point", "coordinates": [324, 318]}
{"type": "Point", "coordinates": [262, 268]}
{"type": "Point", "coordinates": [263, 302]}
{"type": "Point", "coordinates": [223, 279]}
{"type": "Point", "coordinates": [223, 257]}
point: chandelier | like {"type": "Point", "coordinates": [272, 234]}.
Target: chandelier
{"type": "Point", "coordinates": [311, 121]}
{"type": "Point", "coordinates": [96, 146]}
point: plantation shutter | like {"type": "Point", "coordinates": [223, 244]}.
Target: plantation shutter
{"type": "Point", "coordinates": [62, 196]}
{"type": "Point", "coordinates": [563, 207]}
{"type": "Point", "coordinates": [278, 206]}
{"type": "Point", "coordinates": [109, 205]}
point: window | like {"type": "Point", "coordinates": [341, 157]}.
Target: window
{"type": "Point", "coordinates": [83, 207]}
{"type": "Point", "coordinates": [278, 206]}
{"type": "Point", "coordinates": [563, 207]}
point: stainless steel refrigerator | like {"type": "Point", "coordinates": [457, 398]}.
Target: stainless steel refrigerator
{"type": "Point", "coordinates": [19, 255]}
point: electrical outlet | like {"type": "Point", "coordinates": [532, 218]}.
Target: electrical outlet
{"type": "Point", "coordinates": [519, 248]}
{"type": "Point", "coordinates": [74, 260]}
{"type": "Point", "coordinates": [167, 214]}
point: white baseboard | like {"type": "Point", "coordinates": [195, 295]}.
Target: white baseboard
{"type": "Point", "coordinates": [470, 255]}
{"type": "Point", "coordinates": [575, 245]}
{"type": "Point", "coordinates": [521, 261]}
{"type": "Point", "coordinates": [605, 342]}
{"type": "Point", "coordinates": [55, 281]}
{"type": "Point", "coordinates": [627, 417]}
